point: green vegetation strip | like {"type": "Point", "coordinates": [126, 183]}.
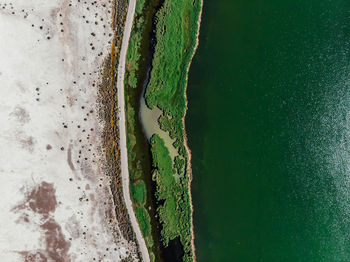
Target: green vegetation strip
{"type": "Point", "coordinates": [176, 30]}
{"type": "Point", "coordinates": [176, 33]}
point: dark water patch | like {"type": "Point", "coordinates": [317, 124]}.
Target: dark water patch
{"type": "Point", "coordinates": [174, 251]}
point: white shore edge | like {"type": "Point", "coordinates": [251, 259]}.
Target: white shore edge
{"type": "Point", "coordinates": [122, 130]}
{"type": "Point", "coordinates": [189, 169]}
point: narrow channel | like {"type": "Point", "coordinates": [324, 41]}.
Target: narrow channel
{"type": "Point", "coordinates": [146, 126]}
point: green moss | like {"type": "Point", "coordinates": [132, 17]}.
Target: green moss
{"type": "Point", "coordinates": [138, 192]}
{"type": "Point", "coordinates": [144, 220]}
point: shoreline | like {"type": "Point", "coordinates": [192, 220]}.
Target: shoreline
{"type": "Point", "coordinates": [189, 168]}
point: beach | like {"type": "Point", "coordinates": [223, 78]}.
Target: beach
{"type": "Point", "coordinates": [57, 200]}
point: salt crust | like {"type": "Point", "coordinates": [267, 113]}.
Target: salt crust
{"type": "Point", "coordinates": [56, 204]}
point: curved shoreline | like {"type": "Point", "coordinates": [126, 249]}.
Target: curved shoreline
{"type": "Point", "coordinates": [122, 130]}
{"type": "Point", "coordinates": [189, 169]}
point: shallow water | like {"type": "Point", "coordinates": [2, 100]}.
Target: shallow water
{"type": "Point", "coordinates": [149, 119]}
{"type": "Point", "coordinates": [268, 126]}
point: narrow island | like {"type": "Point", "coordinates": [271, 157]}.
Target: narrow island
{"type": "Point", "coordinates": [162, 43]}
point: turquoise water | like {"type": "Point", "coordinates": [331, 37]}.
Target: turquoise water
{"type": "Point", "coordinates": [268, 126]}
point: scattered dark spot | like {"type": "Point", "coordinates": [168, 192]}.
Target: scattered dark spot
{"type": "Point", "coordinates": [48, 147]}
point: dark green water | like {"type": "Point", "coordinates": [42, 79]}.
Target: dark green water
{"type": "Point", "coordinates": [269, 126]}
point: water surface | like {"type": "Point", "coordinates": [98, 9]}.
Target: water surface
{"type": "Point", "coordinates": [268, 126]}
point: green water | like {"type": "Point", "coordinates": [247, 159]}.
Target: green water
{"type": "Point", "coordinates": [269, 126]}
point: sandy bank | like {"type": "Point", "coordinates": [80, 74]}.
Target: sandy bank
{"type": "Point", "coordinates": [189, 170]}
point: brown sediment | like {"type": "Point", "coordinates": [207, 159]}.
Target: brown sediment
{"type": "Point", "coordinates": [189, 167]}
{"type": "Point", "coordinates": [69, 158]}
{"type": "Point", "coordinates": [27, 143]}
{"type": "Point", "coordinates": [21, 115]}
{"type": "Point", "coordinates": [33, 257]}
{"type": "Point", "coordinates": [56, 246]}
{"type": "Point", "coordinates": [108, 113]}
{"type": "Point", "coordinates": [42, 200]}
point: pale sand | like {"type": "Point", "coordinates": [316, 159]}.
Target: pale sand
{"type": "Point", "coordinates": [56, 201]}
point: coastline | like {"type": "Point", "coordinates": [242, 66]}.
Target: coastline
{"type": "Point", "coordinates": [189, 169]}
